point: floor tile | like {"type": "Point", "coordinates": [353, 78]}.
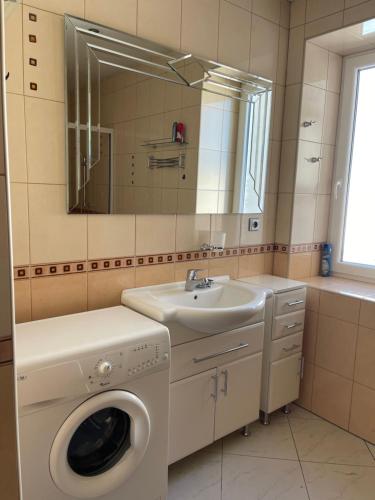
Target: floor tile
{"type": "Point", "coordinates": [299, 412]}
{"type": "Point", "coordinates": [249, 478]}
{"type": "Point", "coordinates": [320, 441]}
{"type": "Point", "coordinates": [339, 482]}
{"type": "Point", "coordinates": [371, 447]}
{"type": "Point", "coordinates": [197, 477]}
{"type": "Point", "coordinates": [268, 441]}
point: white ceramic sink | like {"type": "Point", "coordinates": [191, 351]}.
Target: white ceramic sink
{"type": "Point", "coordinates": [228, 304]}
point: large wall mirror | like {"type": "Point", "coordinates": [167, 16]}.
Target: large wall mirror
{"type": "Point", "coordinates": [154, 131]}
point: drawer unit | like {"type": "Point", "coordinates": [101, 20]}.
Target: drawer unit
{"type": "Point", "coordinates": [283, 339]}
{"type": "Point", "coordinates": [201, 355]}
{"type": "Point", "coordinates": [287, 324]}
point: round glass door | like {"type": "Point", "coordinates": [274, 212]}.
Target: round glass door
{"type": "Point", "coordinates": [99, 442]}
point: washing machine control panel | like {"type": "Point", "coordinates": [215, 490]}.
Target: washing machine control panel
{"type": "Point", "coordinates": [116, 367]}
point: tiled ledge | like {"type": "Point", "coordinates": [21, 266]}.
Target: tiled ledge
{"type": "Point", "coordinates": [341, 286]}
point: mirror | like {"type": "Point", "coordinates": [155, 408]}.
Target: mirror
{"type": "Point", "coordinates": [153, 131]}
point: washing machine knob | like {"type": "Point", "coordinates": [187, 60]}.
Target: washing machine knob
{"type": "Point", "coordinates": [104, 368]}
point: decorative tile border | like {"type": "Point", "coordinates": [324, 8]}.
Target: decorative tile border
{"type": "Point", "coordinates": [63, 268]}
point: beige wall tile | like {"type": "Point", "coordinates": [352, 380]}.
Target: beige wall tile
{"type": "Point", "coordinates": [321, 8]}
{"type": "Point", "coordinates": [45, 139]}
{"type": "Point", "coordinates": [160, 21]}
{"type": "Point", "coordinates": [73, 7]}
{"type": "Point", "coordinates": [155, 234]}
{"type": "Point", "coordinates": [334, 73]}
{"type": "Point", "coordinates": [13, 51]}
{"type": "Point", "coordinates": [200, 27]}
{"type": "Point", "coordinates": [310, 335]}
{"type": "Point", "coordinates": [253, 237]}
{"type": "Point", "coordinates": [121, 15]}
{"type": "Point", "coordinates": [324, 25]}
{"type": "Point", "coordinates": [20, 224]}
{"type": "Point", "coordinates": [283, 218]}
{"type": "Point", "coordinates": [227, 225]}
{"type": "Point", "coordinates": [273, 167]}
{"type": "Point", "coordinates": [251, 265]}
{"type": "Point", "coordinates": [277, 112]}
{"type": "Point", "coordinates": [330, 118]}
{"type": "Point", "coordinates": [306, 387]}
{"type": "Point", "coordinates": [339, 306]}
{"type": "Point", "coordinates": [223, 266]}
{"type": "Point", "coordinates": [303, 218]}
{"type": "Point", "coordinates": [287, 166]}
{"type": "Point", "coordinates": [295, 55]}
{"type": "Point", "coordinates": [291, 115]}
{"type": "Point", "coordinates": [48, 51]}
{"type": "Point", "coordinates": [269, 9]}
{"type": "Point", "coordinates": [192, 231]}
{"type": "Point", "coordinates": [154, 275]}
{"type": "Point", "coordinates": [316, 66]}
{"type": "Point", "coordinates": [326, 169]}
{"type": "Point", "coordinates": [323, 202]}
{"type": "Point", "coordinates": [281, 264]}
{"type": "Point", "coordinates": [58, 295]}
{"type": "Point", "coordinates": [362, 420]}
{"type": "Point", "coordinates": [331, 397]}
{"type": "Point", "coordinates": [269, 218]}
{"type": "Point", "coordinates": [315, 263]}
{"type": "Point", "coordinates": [312, 299]}
{"type": "Point", "coordinates": [312, 109]}
{"type": "Point", "coordinates": [16, 138]}
{"type": "Point", "coordinates": [245, 4]}
{"type": "Point", "coordinates": [307, 174]}
{"type": "Point", "coordinates": [367, 314]}
{"type": "Point", "coordinates": [234, 35]}
{"type": "Point", "coordinates": [268, 263]}
{"type": "Point", "coordinates": [264, 48]}
{"type": "Point", "coordinates": [282, 58]}
{"type": "Point", "coordinates": [110, 236]}
{"type": "Point", "coordinates": [285, 13]}
{"type": "Point", "coordinates": [364, 372]}
{"type": "Point", "coordinates": [104, 287]}
{"type": "Point", "coordinates": [297, 13]}
{"type": "Point", "coordinates": [359, 13]}
{"type": "Point", "coordinates": [22, 300]}
{"type": "Point", "coordinates": [55, 236]}
{"type": "Point", "coordinates": [181, 268]}
{"type": "Point", "coordinates": [299, 265]}
{"type": "Point", "coordinates": [336, 345]}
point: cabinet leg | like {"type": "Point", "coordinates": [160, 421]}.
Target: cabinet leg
{"type": "Point", "coordinates": [286, 409]}
{"type": "Point", "coordinates": [246, 431]}
{"type": "Point", "coordinates": [264, 418]}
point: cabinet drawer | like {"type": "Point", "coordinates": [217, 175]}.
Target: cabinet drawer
{"type": "Point", "coordinates": [284, 347]}
{"type": "Point", "coordinates": [200, 355]}
{"type": "Point", "coordinates": [288, 324]}
{"type": "Point", "coordinates": [284, 382]}
{"type": "Point", "coordinates": [288, 302]}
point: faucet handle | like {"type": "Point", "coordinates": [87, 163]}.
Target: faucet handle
{"type": "Point", "coordinates": [191, 274]}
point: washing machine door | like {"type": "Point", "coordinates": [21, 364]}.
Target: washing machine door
{"type": "Point", "coordinates": [100, 444]}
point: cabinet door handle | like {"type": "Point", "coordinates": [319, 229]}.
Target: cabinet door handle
{"type": "Point", "coordinates": [295, 303]}
{"type": "Point", "coordinates": [215, 354]}
{"type": "Point", "coordinates": [292, 325]}
{"type": "Point", "coordinates": [215, 378]}
{"type": "Point", "coordinates": [301, 367]}
{"type": "Point", "coordinates": [225, 389]}
{"type": "Point", "coordinates": [291, 348]}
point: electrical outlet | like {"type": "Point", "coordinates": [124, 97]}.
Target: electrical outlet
{"type": "Point", "coordinates": [254, 224]}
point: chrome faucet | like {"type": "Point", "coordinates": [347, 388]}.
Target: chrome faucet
{"type": "Point", "coordinates": [192, 282]}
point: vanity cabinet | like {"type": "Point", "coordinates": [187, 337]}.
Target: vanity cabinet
{"type": "Point", "coordinates": [283, 337]}
{"type": "Point", "coordinates": [215, 388]}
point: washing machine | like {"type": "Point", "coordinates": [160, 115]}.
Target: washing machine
{"type": "Point", "coordinates": [93, 398]}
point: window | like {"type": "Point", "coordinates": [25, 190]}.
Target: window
{"type": "Point", "coordinates": [353, 208]}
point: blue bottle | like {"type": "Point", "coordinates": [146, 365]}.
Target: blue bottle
{"type": "Point", "coordinates": [326, 262]}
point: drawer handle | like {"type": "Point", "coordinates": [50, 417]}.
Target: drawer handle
{"type": "Point", "coordinates": [215, 378]}
{"type": "Point", "coordinates": [291, 348]}
{"type": "Point", "coordinates": [215, 354]}
{"type": "Point", "coordinates": [225, 390]}
{"type": "Point", "coordinates": [292, 325]}
{"type": "Point", "coordinates": [295, 303]}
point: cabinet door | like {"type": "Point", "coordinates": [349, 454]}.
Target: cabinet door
{"type": "Point", "coordinates": [284, 382]}
{"type": "Point", "coordinates": [238, 395]}
{"type": "Point", "coordinates": [191, 414]}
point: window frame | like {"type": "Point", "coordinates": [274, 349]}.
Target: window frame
{"type": "Point", "coordinates": [340, 185]}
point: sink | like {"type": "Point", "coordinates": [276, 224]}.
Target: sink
{"type": "Point", "coordinates": [228, 304]}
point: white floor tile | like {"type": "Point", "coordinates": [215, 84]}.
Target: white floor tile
{"type": "Point", "coordinates": [269, 441]}
{"type": "Point", "coordinates": [299, 412]}
{"type": "Point", "coordinates": [320, 441]}
{"type": "Point", "coordinates": [339, 482]}
{"type": "Point", "coordinates": [372, 449]}
{"type": "Point", "coordinates": [248, 478]}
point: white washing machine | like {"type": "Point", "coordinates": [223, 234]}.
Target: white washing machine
{"type": "Point", "coordinates": [93, 396]}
